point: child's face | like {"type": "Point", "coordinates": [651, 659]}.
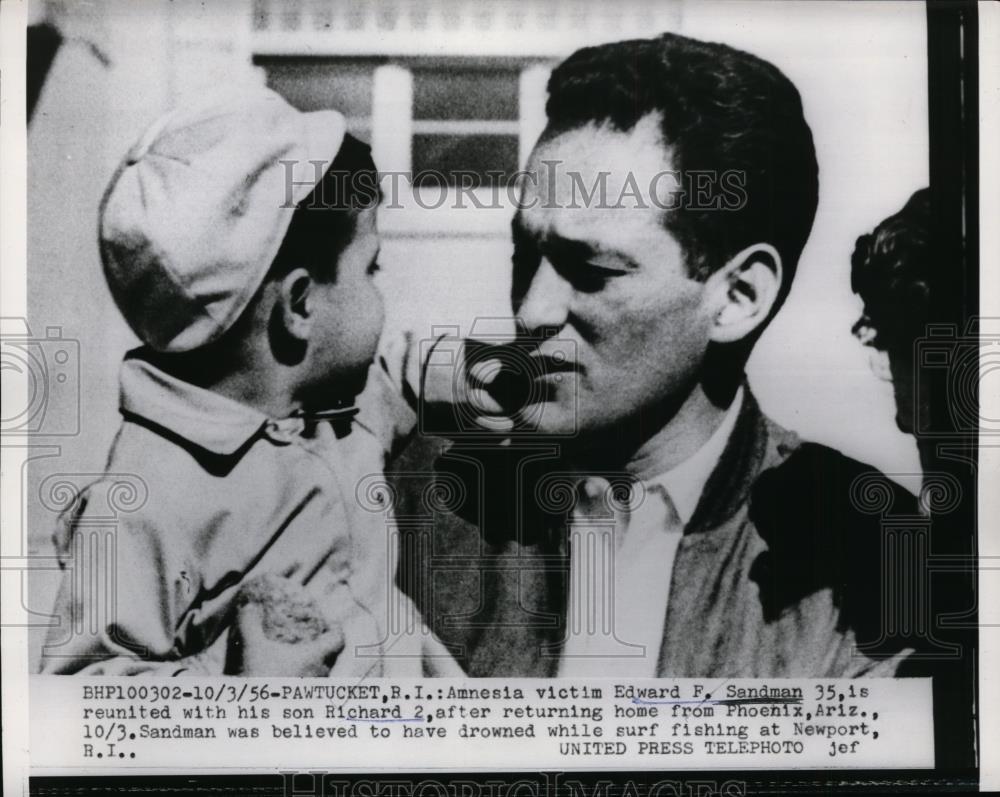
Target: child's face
{"type": "Point", "coordinates": [349, 315]}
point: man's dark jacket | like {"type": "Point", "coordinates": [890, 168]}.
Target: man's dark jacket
{"type": "Point", "coordinates": [779, 572]}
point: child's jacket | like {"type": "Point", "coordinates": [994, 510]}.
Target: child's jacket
{"type": "Point", "coordinates": [231, 494]}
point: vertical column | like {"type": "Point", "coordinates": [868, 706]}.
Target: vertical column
{"type": "Point", "coordinates": [392, 118]}
{"type": "Point", "coordinates": [534, 79]}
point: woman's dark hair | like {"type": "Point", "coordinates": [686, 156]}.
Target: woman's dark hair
{"type": "Point", "coordinates": [890, 271]}
{"type": "Point", "coordinates": [325, 221]}
{"type": "Point", "coordinates": [722, 111]}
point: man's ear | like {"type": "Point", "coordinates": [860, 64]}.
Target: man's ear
{"type": "Point", "coordinates": [295, 300]}
{"type": "Point", "coordinates": [743, 292]}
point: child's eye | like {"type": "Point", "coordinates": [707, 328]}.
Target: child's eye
{"type": "Point", "coordinates": [374, 268]}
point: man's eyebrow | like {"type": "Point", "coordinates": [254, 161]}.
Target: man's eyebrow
{"type": "Point", "coordinates": [517, 227]}
{"type": "Point", "coordinates": [522, 235]}
{"type": "Point", "coordinates": [564, 249]}
{"type": "Point", "coordinates": [575, 249]}
{"type": "Point", "coordinates": [567, 248]}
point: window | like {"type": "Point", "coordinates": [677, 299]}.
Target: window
{"type": "Point", "coordinates": [464, 120]}
{"type": "Point", "coordinates": [313, 84]}
{"type": "Point", "coordinates": [465, 125]}
{"type": "Point", "coordinates": [452, 125]}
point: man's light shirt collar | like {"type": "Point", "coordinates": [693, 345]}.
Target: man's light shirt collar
{"type": "Point", "coordinates": [686, 482]}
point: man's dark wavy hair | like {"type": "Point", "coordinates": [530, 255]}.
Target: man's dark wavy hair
{"type": "Point", "coordinates": [890, 271]}
{"type": "Point", "coordinates": [721, 109]}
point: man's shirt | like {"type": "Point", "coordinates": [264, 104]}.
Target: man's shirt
{"type": "Point", "coordinates": [620, 586]}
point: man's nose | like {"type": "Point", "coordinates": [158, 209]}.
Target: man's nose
{"type": "Point", "coordinates": [546, 303]}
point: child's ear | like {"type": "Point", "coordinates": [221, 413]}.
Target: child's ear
{"type": "Point", "coordinates": [295, 297]}
{"type": "Point", "coordinates": [743, 292]}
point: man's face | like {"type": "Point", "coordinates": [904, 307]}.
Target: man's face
{"type": "Point", "coordinates": [609, 280]}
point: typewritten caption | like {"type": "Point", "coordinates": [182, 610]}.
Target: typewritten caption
{"type": "Point", "coordinates": [117, 723]}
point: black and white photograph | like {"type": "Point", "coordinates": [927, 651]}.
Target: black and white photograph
{"type": "Point", "coordinates": [424, 389]}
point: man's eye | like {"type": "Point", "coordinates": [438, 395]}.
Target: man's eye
{"type": "Point", "coordinates": [592, 277]}
{"type": "Point", "coordinates": [604, 271]}
{"type": "Point", "coordinates": [525, 256]}
{"type": "Point", "coordinates": [374, 268]}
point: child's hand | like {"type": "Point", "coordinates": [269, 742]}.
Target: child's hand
{"type": "Point", "coordinates": [279, 630]}
{"type": "Point", "coordinates": [477, 390]}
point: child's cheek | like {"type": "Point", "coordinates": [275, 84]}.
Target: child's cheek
{"type": "Point", "coordinates": [361, 323]}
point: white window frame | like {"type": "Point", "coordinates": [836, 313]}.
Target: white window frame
{"type": "Point", "coordinates": [538, 32]}
{"type": "Point", "coordinates": [417, 211]}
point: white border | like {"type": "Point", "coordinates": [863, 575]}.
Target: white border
{"type": "Point", "coordinates": [13, 17]}
{"type": "Point", "coordinates": [13, 302]}
{"type": "Point", "coordinates": [989, 457]}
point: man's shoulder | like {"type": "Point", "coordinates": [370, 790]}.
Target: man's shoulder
{"type": "Point", "coordinates": [430, 483]}
{"type": "Point", "coordinates": [825, 519]}
{"type": "Point", "coordinates": [474, 491]}
{"type": "Point", "coordinates": [799, 478]}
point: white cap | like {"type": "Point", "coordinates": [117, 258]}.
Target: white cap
{"type": "Point", "coordinates": [197, 211]}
